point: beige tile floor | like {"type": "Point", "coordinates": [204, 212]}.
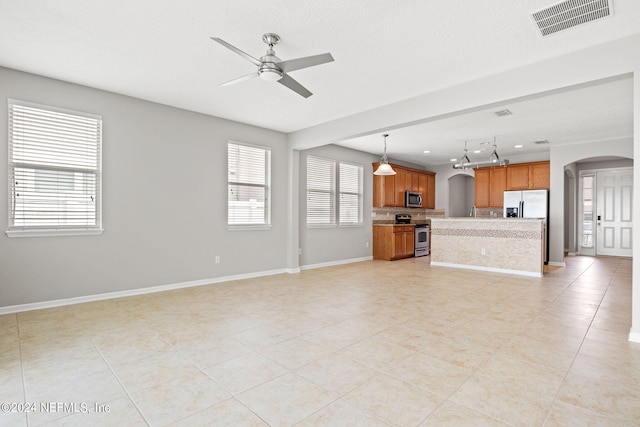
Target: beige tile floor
{"type": "Point", "coordinates": [370, 343]}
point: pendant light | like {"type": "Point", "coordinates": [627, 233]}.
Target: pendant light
{"type": "Point", "coordinates": [384, 168]}
{"type": "Point", "coordinates": [494, 158]}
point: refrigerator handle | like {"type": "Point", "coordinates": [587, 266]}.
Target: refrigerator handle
{"type": "Point", "coordinates": [521, 210]}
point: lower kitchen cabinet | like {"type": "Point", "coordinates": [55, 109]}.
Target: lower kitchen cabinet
{"type": "Point", "coordinates": [393, 241]}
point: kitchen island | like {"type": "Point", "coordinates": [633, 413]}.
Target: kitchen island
{"type": "Point", "coordinates": [503, 245]}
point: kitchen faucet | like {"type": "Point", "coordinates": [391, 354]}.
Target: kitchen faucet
{"type": "Point", "coordinates": [473, 212]}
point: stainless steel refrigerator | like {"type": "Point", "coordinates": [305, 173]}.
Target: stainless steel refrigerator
{"type": "Point", "coordinates": [529, 204]}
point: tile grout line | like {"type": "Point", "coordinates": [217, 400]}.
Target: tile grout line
{"type": "Point", "coordinates": [555, 396]}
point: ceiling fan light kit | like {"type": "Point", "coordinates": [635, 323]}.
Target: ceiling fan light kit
{"type": "Point", "coordinates": [273, 69]}
{"type": "Point", "coordinates": [384, 168]}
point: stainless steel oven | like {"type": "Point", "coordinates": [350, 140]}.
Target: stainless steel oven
{"type": "Point", "coordinates": [422, 240]}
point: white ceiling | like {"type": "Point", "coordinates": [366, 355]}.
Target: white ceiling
{"type": "Point", "coordinates": [385, 51]}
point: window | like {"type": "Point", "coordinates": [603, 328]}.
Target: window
{"type": "Point", "coordinates": [587, 211]}
{"type": "Point", "coordinates": [321, 191]}
{"type": "Point", "coordinates": [351, 177]}
{"type": "Point", "coordinates": [54, 171]}
{"type": "Point", "coordinates": [249, 185]}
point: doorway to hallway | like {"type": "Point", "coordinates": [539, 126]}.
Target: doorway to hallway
{"type": "Point", "coordinates": [606, 212]}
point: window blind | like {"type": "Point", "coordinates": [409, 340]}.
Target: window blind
{"type": "Point", "coordinates": [249, 181]}
{"type": "Point", "coordinates": [54, 168]}
{"type": "Point", "coordinates": [320, 191]}
{"type": "Point", "coordinates": [351, 194]}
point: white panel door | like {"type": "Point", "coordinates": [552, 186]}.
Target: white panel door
{"type": "Point", "coordinates": [614, 212]}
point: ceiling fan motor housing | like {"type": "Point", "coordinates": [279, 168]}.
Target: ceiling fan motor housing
{"type": "Point", "coordinates": [268, 70]}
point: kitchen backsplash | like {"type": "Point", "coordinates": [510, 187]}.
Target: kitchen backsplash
{"type": "Point", "coordinates": [388, 215]}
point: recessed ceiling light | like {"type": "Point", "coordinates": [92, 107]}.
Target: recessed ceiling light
{"type": "Point", "coordinates": [518, 146]}
{"type": "Point", "coordinates": [477, 151]}
{"type": "Point", "coordinates": [453, 160]}
{"type": "Point", "coordinates": [426, 151]}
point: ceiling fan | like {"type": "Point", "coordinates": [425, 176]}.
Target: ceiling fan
{"type": "Point", "coordinates": [272, 69]}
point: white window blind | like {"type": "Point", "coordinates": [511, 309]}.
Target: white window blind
{"type": "Point", "coordinates": [54, 168]}
{"type": "Point", "coordinates": [351, 194]}
{"type": "Point", "coordinates": [321, 186]}
{"type": "Point", "coordinates": [249, 182]}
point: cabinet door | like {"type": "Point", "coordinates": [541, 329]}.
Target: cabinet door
{"type": "Point", "coordinates": [497, 184]}
{"type": "Point", "coordinates": [518, 177]}
{"type": "Point", "coordinates": [482, 188]}
{"type": "Point", "coordinates": [401, 186]}
{"type": "Point", "coordinates": [422, 188]}
{"type": "Point", "coordinates": [539, 176]}
{"type": "Point", "coordinates": [398, 245]}
{"type": "Point", "coordinates": [409, 242]}
{"type": "Point", "coordinates": [431, 192]}
{"type": "Point", "coordinates": [389, 190]}
{"type": "Point", "coordinates": [378, 189]}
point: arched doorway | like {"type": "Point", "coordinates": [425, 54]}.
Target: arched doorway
{"type": "Point", "coordinates": [461, 195]}
{"type": "Point", "coordinates": [602, 188]}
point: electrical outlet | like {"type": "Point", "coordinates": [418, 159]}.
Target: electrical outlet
{"type": "Point", "coordinates": [217, 259]}
{"type": "Point", "coordinates": [366, 245]}
{"type": "Point", "coordinates": [299, 251]}
{"type": "Point", "coordinates": [483, 251]}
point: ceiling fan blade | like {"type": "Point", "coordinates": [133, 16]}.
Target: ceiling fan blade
{"type": "Point", "coordinates": [238, 51]}
{"type": "Point", "coordinates": [307, 61]}
{"type": "Point", "coordinates": [292, 84]}
{"type": "Point", "coordinates": [240, 79]}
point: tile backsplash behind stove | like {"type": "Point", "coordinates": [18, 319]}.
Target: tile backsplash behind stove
{"type": "Point", "coordinates": [388, 215]}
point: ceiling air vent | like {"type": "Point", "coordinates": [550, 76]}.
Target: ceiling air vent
{"type": "Point", "coordinates": [503, 113]}
{"type": "Point", "coordinates": [570, 13]}
{"type": "Point", "coordinates": [544, 141]}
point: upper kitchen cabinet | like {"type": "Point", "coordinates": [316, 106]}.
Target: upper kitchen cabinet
{"type": "Point", "coordinates": [528, 176]}
{"type": "Point", "coordinates": [388, 191]}
{"type": "Point", "coordinates": [489, 186]}
{"type": "Point", "coordinates": [429, 202]}
{"type": "Point", "coordinates": [482, 188]}
{"type": "Point", "coordinates": [491, 182]}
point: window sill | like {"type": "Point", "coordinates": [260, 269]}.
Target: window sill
{"type": "Point", "coordinates": [248, 227]}
{"type": "Point", "coordinates": [354, 225]}
{"type": "Point", "coordinates": [322, 225]}
{"type": "Point", "coordinates": [52, 233]}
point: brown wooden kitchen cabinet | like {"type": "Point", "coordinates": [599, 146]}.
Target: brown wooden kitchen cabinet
{"type": "Point", "coordinates": [528, 176]}
{"type": "Point", "coordinates": [481, 188]}
{"type": "Point", "coordinates": [498, 178]}
{"type": "Point", "coordinates": [392, 242]}
{"type": "Point", "coordinates": [388, 191]}
{"type": "Point", "coordinates": [489, 186]}
{"type": "Point", "coordinates": [491, 182]}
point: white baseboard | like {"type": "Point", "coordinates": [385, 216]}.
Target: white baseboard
{"type": "Point", "coordinates": [490, 269]}
{"type": "Point", "coordinates": [557, 264]}
{"type": "Point", "coordinates": [634, 336]}
{"type": "Point", "coordinates": [133, 292]}
{"type": "Point", "coordinates": [332, 263]}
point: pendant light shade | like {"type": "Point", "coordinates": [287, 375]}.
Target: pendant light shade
{"type": "Point", "coordinates": [384, 168]}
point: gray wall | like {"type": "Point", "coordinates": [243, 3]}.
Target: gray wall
{"type": "Point", "coordinates": [164, 198]}
{"type": "Point", "coordinates": [461, 195]}
{"type": "Point", "coordinates": [324, 245]}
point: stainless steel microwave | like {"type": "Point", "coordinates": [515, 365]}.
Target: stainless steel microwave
{"type": "Point", "coordinates": [412, 199]}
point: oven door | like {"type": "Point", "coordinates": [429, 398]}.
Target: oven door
{"type": "Point", "coordinates": [422, 241]}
